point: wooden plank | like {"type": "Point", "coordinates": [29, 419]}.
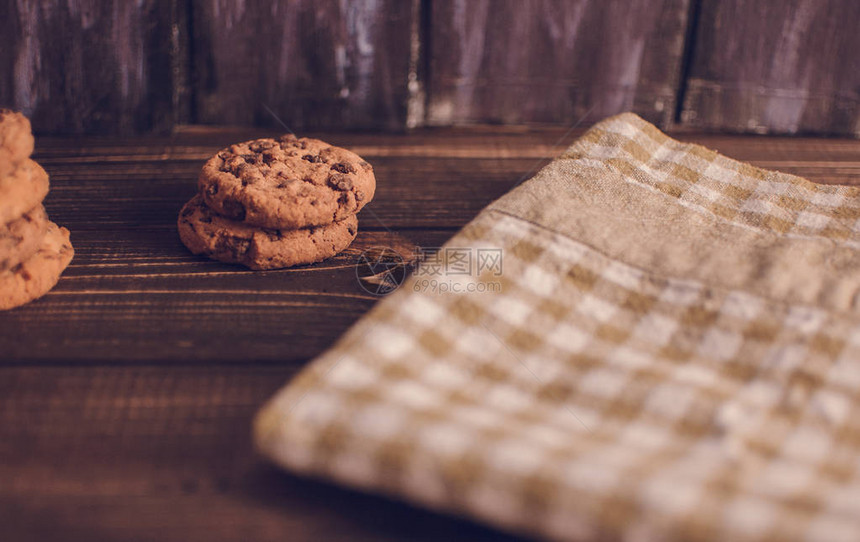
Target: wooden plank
{"type": "Point", "coordinates": [144, 182]}
{"type": "Point", "coordinates": [198, 142]}
{"type": "Point", "coordinates": [76, 67]}
{"type": "Point", "coordinates": [553, 61]}
{"type": "Point", "coordinates": [134, 294]}
{"type": "Point", "coordinates": [126, 395]}
{"type": "Point", "coordinates": [776, 67]}
{"type": "Point", "coordinates": [98, 183]}
{"type": "Point", "coordinates": [306, 63]}
{"type": "Point", "coordinates": [137, 295]}
{"type": "Point", "coordinates": [164, 453]}
{"type": "Point", "coordinates": [117, 194]}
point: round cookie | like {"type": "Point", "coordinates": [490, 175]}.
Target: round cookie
{"type": "Point", "coordinates": [286, 183]}
{"type": "Point", "coordinates": [205, 232]}
{"type": "Point", "coordinates": [21, 238]}
{"type": "Point", "coordinates": [22, 190]}
{"type": "Point", "coordinates": [34, 277]}
{"type": "Point", "coordinates": [16, 140]}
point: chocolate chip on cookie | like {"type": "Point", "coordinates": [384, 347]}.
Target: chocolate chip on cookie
{"type": "Point", "coordinates": [35, 276]}
{"type": "Point", "coordinates": [21, 238]}
{"type": "Point", "coordinates": [286, 183]}
{"type": "Point", "coordinates": [24, 188]}
{"type": "Point", "coordinates": [33, 250]}
{"type": "Point", "coordinates": [205, 232]}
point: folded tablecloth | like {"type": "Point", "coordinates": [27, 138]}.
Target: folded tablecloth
{"type": "Point", "coordinates": [645, 341]}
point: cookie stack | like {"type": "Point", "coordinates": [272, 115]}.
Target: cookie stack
{"type": "Point", "coordinates": [271, 203]}
{"type": "Point", "coordinates": [33, 250]}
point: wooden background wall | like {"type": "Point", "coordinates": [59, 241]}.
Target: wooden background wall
{"type": "Point", "coordinates": [94, 66]}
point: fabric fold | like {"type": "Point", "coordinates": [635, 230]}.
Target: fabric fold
{"type": "Point", "coordinates": [645, 341]}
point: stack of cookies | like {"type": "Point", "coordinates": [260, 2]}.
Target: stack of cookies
{"type": "Point", "coordinates": [271, 203]}
{"type": "Point", "coordinates": [33, 250]}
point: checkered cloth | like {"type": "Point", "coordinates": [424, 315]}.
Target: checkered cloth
{"type": "Point", "coordinates": [645, 341]}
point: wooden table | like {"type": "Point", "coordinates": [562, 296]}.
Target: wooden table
{"type": "Point", "coordinates": [126, 393]}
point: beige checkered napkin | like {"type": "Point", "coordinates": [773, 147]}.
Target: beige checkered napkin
{"type": "Point", "coordinates": [668, 350]}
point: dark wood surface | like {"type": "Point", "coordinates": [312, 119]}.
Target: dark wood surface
{"type": "Point", "coordinates": [126, 393]}
{"type": "Point", "coordinates": [76, 66]}
{"type": "Point", "coordinates": [88, 67]}
{"type": "Point", "coordinates": [553, 61]}
{"type": "Point", "coordinates": [776, 67]}
{"type": "Point", "coordinates": [303, 63]}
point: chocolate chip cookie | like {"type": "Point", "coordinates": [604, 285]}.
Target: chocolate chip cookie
{"type": "Point", "coordinates": [16, 140]}
{"type": "Point", "coordinates": [205, 232]}
{"type": "Point", "coordinates": [21, 238]}
{"type": "Point", "coordinates": [34, 277]}
{"type": "Point", "coordinates": [286, 183]}
{"type": "Point", "coordinates": [24, 188]}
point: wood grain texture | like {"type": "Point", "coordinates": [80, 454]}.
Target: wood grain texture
{"type": "Point", "coordinates": [126, 394]}
{"type": "Point", "coordinates": [84, 66]}
{"type": "Point", "coordinates": [140, 297]}
{"type": "Point", "coordinates": [306, 63]}
{"type": "Point", "coordinates": [134, 294]}
{"type": "Point", "coordinates": [164, 454]}
{"type": "Point", "coordinates": [776, 67]}
{"type": "Point", "coordinates": [553, 61]}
